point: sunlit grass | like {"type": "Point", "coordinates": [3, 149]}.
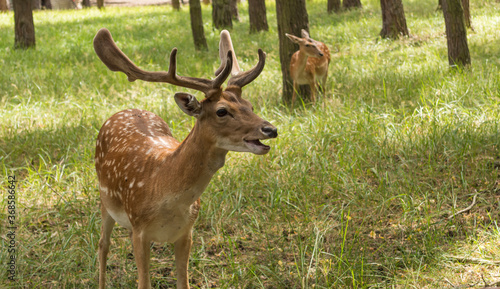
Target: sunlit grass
{"type": "Point", "coordinates": [357, 191]}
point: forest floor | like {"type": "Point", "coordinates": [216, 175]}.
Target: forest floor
{"type": "Point", "coordinates": [131, 3]}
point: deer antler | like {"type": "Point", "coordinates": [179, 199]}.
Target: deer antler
{"type": "Point", "coordinates": [238, 78]}
{"type": "Point", "coordinates": [116, 60]}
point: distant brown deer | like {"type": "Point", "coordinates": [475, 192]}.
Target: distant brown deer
{"type": "Point", "coordinates": [149, 182]}
{"type": "Point", "coordinates": [309, 65]}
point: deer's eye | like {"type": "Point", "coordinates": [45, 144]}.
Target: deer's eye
{"type": "Point", "coordinates": [221, 112]}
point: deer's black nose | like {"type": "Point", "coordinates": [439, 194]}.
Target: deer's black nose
{"type": "Point", "coordinates": [320, 54]}
{"type": "Point", "coordinates": [270, 131]}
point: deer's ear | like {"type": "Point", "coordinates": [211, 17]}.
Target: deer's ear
{"type": "Point", "coordinates": [304, 33]}
{"type": "Point", "coordinates": [188, 103]}
{"type": "Point", "coordinates": [293, 38]}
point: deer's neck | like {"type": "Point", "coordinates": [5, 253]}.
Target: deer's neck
{"type": "Point", "coordinates": [301, 61]}
{"type": "Point", "coordinates": [193, 165]}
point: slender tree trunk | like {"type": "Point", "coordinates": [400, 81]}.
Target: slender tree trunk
{"type": "Point", "coordinates": [86, 3]}
{"type": "Point", "coordinates": [100, 4]}
{"type": "Point", "coordinates": [257, 13]}
{"type": "Point", "coordinates": [23, 22]}
{"type": "Point", "coordinates": [393, 19]}
{"type": "Point", "coordinates": [221, 14]}
{"type": "Point", "coordinates": [206, 2]}
{"type": "Point", "coordinates": [3, 6]}
{"type": "Point", "coordinates": [176, 4]}
{"type": "Point", "coordinates": [292, 17]}
{"type": "Point", "coordinates": [456, 33]}
{"type": "Point", "coordinates": [36, 4]}
{"type": "Point", "coordinates": [348, 4]}
{"type": "Point", "coordinates": [333, 5]}
{"type": "Point", "coordinates": [440, 5]}
{"type": "Point", "coordinates": [46, 4]}
{"type": "Point", "coordinates": [200, 43]}
{"type": "Point", "coordinates": [467, 18]}
{"type": "Point", "coordinates": [234, 10]}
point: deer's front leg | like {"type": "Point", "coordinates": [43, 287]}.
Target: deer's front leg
{"type": "Point", "coordinates": [106, 229]}
{"type": "Point", "coordinates": [141, 251]}
{"type": "Point", "coordinates": [312, 84]}
{"type": "Point", "coordinates": [182, 250]}
{"type": "Point", "coordinates": [323, 83]}
{"type": "Point", "coordinates": [295, 88]}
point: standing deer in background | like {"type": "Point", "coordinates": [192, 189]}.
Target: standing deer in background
{"type": "Point", "coordinates": [149, 182]}
{"type": "Point", "coordinates": [309, 65]}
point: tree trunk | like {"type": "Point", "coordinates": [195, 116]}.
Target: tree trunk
{"type": "Point", "coordinates": [206, 2]}
{"type": "Point", "coordinates": [440, 5]}
{"type": "Point", "coordinates": [257, 13]}
{"type": "Point", "coordinates": [234, 10]}
{"type": "Point", "coordinates": [348, 4]}
{"type": "Point", "coordinates": [200, 43]}
{"type": "Point", "coordinates": [3, 6]}
{"type": "Point", "coordinates": [456, 33]}
{"type": "Point", "coordinates": [333, 5]}
{"type": "Point", "coordinates": [393, 19]}
{"type": "Point", "coordinates": [23, 22]}
{"type": "Point", "coordinates": [100, 4]}
{"type": "Point", "coordinates": [292, 17]}
{"type": "Point", "coordinates": [86, 3]}
{"type": "Point", "coordinates": [36, 4]}
{"type": "Point", "coordinates": [176, 4]}
{"type": "Point", "coordinates": [46, 4]}
{"type": "Point", "coordinates": [465, 6]}
{"type": "Point", "coordinates": [221, 14]}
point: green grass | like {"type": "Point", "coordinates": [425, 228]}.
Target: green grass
{"type": "Point", "coordinates": [357, 190]}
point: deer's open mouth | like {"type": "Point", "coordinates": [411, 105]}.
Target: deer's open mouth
{"type": "Point", "coordinates": [256, 146]}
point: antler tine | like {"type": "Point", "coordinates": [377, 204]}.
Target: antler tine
{"type": "Point", "coordinates": [116, 60]}
{"type": "Point", "coordinates": [246, 77]}
{"type": "Point", "coordinates": [190, 82]}
{"type": "Point", "coordinates": [219, 80]}
{"type": "Point", "coordinates": [238, 78]}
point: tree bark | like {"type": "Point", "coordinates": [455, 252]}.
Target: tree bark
{"type": "Point", "coordinates": [200, 42]}
{"type": "Point", "coordinates": [292, 17]}
{"type": "Point", "coordinates": [393, 19]}
{"type": "Point", "coordinates": [440, 5]}
{"type": "Point", "coordinates": [456, 33]}
{"type": "Point", "coordinates": [100, 4]}
{"type": "Point", "coordinates": [348, 4]}
{"type": "Point", "coordinates": [24, 26]}
{"type": "Point", "coordinates": [46, 4]}
{"type": "Point", "coordinates": [206, 2]}
{"type": "Point", "coordinates": [234, 10]}
{"type": "Point", "coordinates": [333, 5]}
{"type": "Point", "coordinates": [3, 6]}
{"type": "Point", "coordinates": [86, 3]}
{"type": "Point", "coordinates": [257, 13]}
{"type": "Point", "coordinates": [466, 7]}
{"type": "Point", "coordinates": [36, 4]}
{"type": "Point", "coordinates": [221, 14]}
{"type": "Point", "coordinates": [176, 4]}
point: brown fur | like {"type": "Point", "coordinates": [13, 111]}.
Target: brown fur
{"type": "Point", "coordinates": [307, 66]}
{"type": "Point", "coordinates": [151, 183]}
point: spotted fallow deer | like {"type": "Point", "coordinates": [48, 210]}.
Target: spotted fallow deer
{"type": "Point", "coordinates": [149, 182]}
{"type": "Point", "coordinates": [309, 65]}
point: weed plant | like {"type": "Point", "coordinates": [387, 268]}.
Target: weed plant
{"type": "Point", "coordinates": [362, 190]}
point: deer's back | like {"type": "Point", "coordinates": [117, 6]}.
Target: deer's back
{"type": "Point", "coordinates": [130, 146]}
